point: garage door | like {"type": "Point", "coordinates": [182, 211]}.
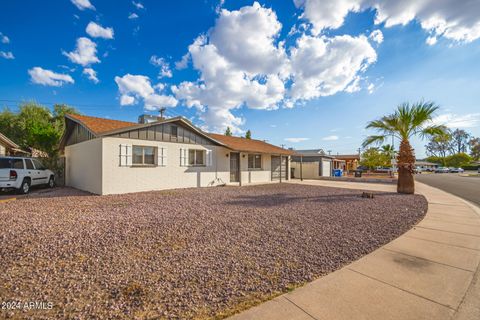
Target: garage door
{"type": "Point", "coordinates": [276, 168]}
{"type": "Point", "coordinates": [326, 168]}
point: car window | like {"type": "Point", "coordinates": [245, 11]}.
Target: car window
{"type": "Point", "coordinates": [5, 163]}
{"type": "Point", "coordinates": [17, 163]}
{"type": "Point", "coordinates": [38, 164]}
{"type": "Point", "coordinates": [29, 164]}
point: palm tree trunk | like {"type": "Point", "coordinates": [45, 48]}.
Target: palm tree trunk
{"type": "Point", "coordinates": [405, 162]}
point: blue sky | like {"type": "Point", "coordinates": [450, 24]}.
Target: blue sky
{"type": "Point", "coordinates": [301, 73]}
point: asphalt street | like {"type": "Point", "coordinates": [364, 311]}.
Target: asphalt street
{"type": "Point", "coordinates": [467, 188]}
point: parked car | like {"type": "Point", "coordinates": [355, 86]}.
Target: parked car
{"type": "Point", "coordinates": [442, 170]}
{"type": "Point", "coordinates": [21, 173]}
{"type": "Point", "coordinates": [456, 170]}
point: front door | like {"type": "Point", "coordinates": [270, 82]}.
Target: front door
{"type": "Point", "coordinates": [279, 167]}
{"type": "Point", "coordinates": [234, 167]}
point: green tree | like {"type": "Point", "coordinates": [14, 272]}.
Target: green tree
{"type": "Point", "coordinates": [35, 126]}
{"type": "Point", "coordinates": [248, 134]}
{"type": "Point", "coordinates": [388, 150]}
{"type": "Point", "coordinates": [372, 157]}
{"type": "Point", "coordinates": [458, 159]}
{"type": "Point", "coordinates": [228, 132]}
{"type": "Point", "coordinates": [440, 146]}
{"type": "Point", "coordinates": [475, 148]}
{"type": "Point", "coordinates": [407, 121]}
{"type": "Point", "coordinates": [460, 140]}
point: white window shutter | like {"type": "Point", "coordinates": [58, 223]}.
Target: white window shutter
{"type": "Point", "coordinates": [183, 157]}
{"type": "Point", "coordinates": [209, 157]}
{"type": "Point", "coordinates": [162, 157]}
{"type": "Point", "coordinates": [125, 155]}
{"type": "Point", "coordinates": [122, 156]}
{"type": "Point", "coordinates": [129, 154]}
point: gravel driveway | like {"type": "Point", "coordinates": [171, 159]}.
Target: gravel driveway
{"type": "Point", "coordinates": [192, 253]}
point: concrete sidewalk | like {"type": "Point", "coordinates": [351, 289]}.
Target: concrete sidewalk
{"type": "Point", "coordinates": [430, 272]}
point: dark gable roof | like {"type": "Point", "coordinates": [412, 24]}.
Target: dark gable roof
{"type": "Point", "coordinates": [104, 127]}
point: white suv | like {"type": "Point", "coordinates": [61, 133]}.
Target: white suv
{"type": "Point", "coordinates": [22, 173]}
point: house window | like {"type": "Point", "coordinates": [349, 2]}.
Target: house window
{"type": "Point", "coordinates": [254, 161]}
{"type": "Point", "coordinates": [196, 157]}
{"type": "Point", "coordinates": [143, 155]}
{"type": "Point", "coordinates": [174, 132]}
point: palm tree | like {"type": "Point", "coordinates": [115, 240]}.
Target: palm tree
{"type": "Point", "coordinates": [388, 150]}
{"type": "Point", "coordinates": [407, 121]}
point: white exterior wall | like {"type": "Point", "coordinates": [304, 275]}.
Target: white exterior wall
{"type": "Point", "coordinates": [118, 179]}
{"type": "Point", "coordinates": [94, 166]}
{"type": "Point", "coordinates": [84, 166]}
{"type": "Point", "coordinates": [255, 175]}
{"type": "Point", "coordinates": [3, 150]}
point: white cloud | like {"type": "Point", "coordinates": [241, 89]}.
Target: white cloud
{"type": "Point", "coordinates": [323, 66]}
{"type": "Point", "coordinates": [91, 74]}
{"type": "Point", "coordinates": [451, 120]}
{"type": "Point", "coordinates": [296, 140]}
{"type": "Point", "coordinates": [183, 63]}
{"type": "Point", "coordinates": [138, 87]}
{"type": "Point", "coordinates": [376, 36]}
{"type": "Point", "coordinates": [162, 64]}
{"type": "Point", "coordinates": [49, 78]}
{"type": "Point", "coordinates": [83, 4]}
{"type": "Point", "coordinates": [85, 52]}
{"type": "Point", "coordinates": [431, 40]}
{"type": "Point", "coordinates": [4, 39]}
{"type": "Point", "coordinates": [138, 5]}
{"type": "Point", "coordinates": [7, 55]}
{"type": "Point", "coordinates": [371, 88]}
{"type": "Point", "coordinates": [133, 16]}
{"type": "Point", "coordinates": [126, 100]}
{"type": "Point", "coordinates": [326, 13]}
{"type": "Point", "coordinates": [240, 64]}
{"type": "Point", "coordinates": [330, 138]}
{"type": "Point", "coordinates": [97, 31]}
{"type": "Point", "coordinates": [452, 19]}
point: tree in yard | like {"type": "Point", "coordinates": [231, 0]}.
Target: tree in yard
{"type": "Point", "coordinates": [228, 132]}
{"type": "Point", "coordinates": [407, 121]}
{"type": "Point", "coordinates": [475, 148]}
{"type": "Point", "coordinates": [458, 159]}
{"type": "Point", "coordinates": [440, 146]}
{"type": "Point", "coordinates": [248, 135]}
{"type": "Point", "coordinates": [460, 141]}
{"type": "Point", "coordinates": [372, 157]}
{"type": "Point", "coordinates": [35, 126]}
{"type": "Point", "coordinates": [388, 150]}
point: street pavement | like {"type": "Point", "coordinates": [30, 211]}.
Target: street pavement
{"type": "Point", "coordinates": [465, 187]}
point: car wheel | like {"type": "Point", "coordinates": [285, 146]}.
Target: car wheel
{"type": "Point", "coordinates": [24, 187]}
{"type": "Point", "coordinates": [51, 182]}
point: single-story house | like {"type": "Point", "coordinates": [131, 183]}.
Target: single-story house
{"type": "Point", "coordinates": [425, 164]}
{"type": "Point", "coordinates": [311, 164]}
{"type": "Point", "coordinates": [9, 148]}
{"type": "Point", "coordinates": [350, 161]}
{"type": "Point", "coordinates": [106, 156]}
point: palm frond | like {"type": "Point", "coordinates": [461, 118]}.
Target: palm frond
{"type": "Point", "coordinates": [379, 139]}
{"type": "Point", "coordinates": [433, 130]}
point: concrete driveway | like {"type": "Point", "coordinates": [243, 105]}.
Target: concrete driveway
{"type": "Point", "coordinates": [465, 187]}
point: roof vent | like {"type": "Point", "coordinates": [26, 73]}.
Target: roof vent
{"type": "Point", "coordinates": [147, 118]}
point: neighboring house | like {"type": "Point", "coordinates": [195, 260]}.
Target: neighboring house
{"type": "Point", "coordinates": [311, 164]}
{"type": "Point", "coordinates": [350, 161]}
{"type": "Point", "coordinates": [106, 156]}
{"type": "Point", "coordinates": [425, 164]}
{"type": "Point", "coordinates": [9, 148]}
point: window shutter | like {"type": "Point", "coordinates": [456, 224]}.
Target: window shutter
{"type": "Point", "coordinates": [209, 157]}
{"type": "Point", "coordinates": [183, 157]}
{"type": "Point", "coordinates": [128, 154]}
{"type": "Point", "coordinates": [162, 157]}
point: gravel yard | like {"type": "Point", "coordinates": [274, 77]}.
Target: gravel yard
{"type": "Point", "coordinates": [192, 253]}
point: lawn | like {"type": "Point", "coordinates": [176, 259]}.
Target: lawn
{"type": "Point", "coordinates": [192, 253]}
